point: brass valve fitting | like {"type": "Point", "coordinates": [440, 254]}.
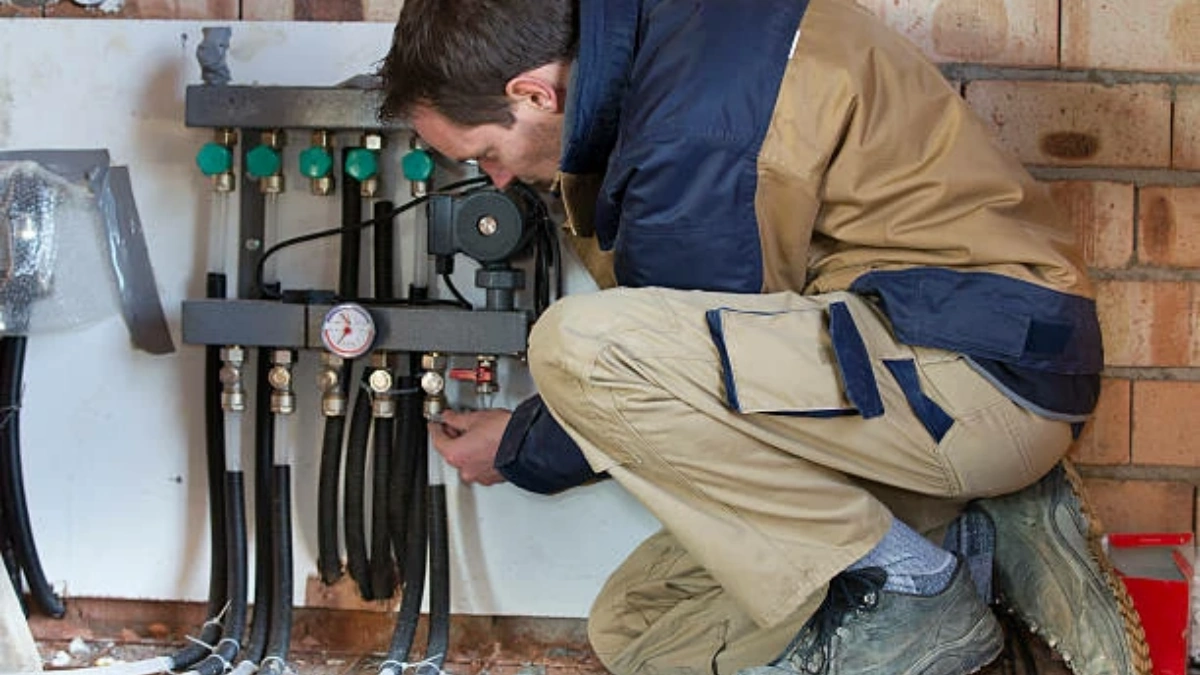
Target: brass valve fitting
{"type": "Point", "coordinates": [233, 388]}
{"type": "Point", "coordinates": [329, 383]}
{"type": "Point", "coordinates": [283, 397]}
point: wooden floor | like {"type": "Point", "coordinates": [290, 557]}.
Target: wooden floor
{"type": "Point", "coordinates": [62, 654]}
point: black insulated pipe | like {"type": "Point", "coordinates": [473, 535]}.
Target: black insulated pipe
{"type": "Point", "coordinates": [214, 451]}
{"type": "Point", "coordinates": [11, 566]}
{"type": "Point", "coordinates": [385, 251]}
{"type": "Point", "coordinates": [404, 460]}
{"type": "Point", "coordinates": [351, 249]}
{"type": "Point", "coordinates": [383, 567]}
{"type": "Point", "coordinates": [15, 509]}
{"type": "Point", "coordinates": [329, 562]}
{"type": "Point", "coordinates": [414, 585]}
{"type": "Point", "coordinates": [439, 578]}
{"type": "Point", "coordinates": [236, 561]}
{"type": "Point", "coordinates": [353, 505]}
{"type": "Point", "coordinates": [279, 642]}
{"type": "Point", "coordinates": [264, 549]}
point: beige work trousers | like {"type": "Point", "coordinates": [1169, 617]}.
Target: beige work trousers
{"type": "Point", "coordinates": [724, 414]}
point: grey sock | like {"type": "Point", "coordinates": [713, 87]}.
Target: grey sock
{"type": "Point", "coordinates": [913, 565]}
{"type": "Point", "coordinates": [973, 536]}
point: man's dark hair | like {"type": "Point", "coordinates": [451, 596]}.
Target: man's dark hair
{"type": "Point", "coordinates": [456, 56]}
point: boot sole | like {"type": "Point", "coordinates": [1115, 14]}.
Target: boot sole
{"type": "Point", "coordinates": [1135, 633]}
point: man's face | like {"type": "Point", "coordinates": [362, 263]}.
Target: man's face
{"type": "Point", "coordinates": [529, 150]}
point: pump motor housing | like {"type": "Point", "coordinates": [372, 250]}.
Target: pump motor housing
{"type": "Point", "coordinates": [486, 225]}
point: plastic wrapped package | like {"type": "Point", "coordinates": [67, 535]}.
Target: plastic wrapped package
{"type": "Point", "coordinates": [53, 270]}
{"type": "Point", "coordinates": [71, 248]}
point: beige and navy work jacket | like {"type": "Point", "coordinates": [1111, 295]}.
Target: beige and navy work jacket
{"type": "Point", "coordinates": [756, 146]}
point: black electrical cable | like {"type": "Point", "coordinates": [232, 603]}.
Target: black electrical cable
{"type": "Point", "coordinates": [328, 560]}
{"type": "Point", "coordinates": [15, 508]}
{"type": "Point", "coordinates": [458, 297]}
{"type": "Point", "coordinates": [236, 561]}
{"type": "Point", "coordinates": [264, 548]}
{"type": "Point", "coordinates": [334, 231]}
{"type": "Point", "coordinates": [547, 253]}
{"type": "Point", "coordinates": [415, 552]}
{"type": "Point", "coordinates": [353, 507]}
{"type": "Point", "coordinates": [214, 451]}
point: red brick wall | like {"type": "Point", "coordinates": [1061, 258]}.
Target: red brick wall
{"type": "Point", "coordinates": [1101, 100]}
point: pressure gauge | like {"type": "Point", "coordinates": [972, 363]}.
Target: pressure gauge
{"type": "Point", "coordinates": [348, 331]}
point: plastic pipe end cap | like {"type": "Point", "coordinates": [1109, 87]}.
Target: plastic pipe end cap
{"type": "Point", "coordinates": [362, 164]}
{"type": "Point", "coordinates": [263, 161]}
{"type": "Point", "coordinates": [315, 162]}
{"type": "Point", "coordinates": [417, 165]}
{"type": "Point", "coordinates": [214, 159]}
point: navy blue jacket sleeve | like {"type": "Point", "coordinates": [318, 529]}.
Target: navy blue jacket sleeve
{"type": "Point", "coordinates": [537, 454]}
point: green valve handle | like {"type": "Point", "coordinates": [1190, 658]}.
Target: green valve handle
{"type": "Point", "coordinates": [362, 164]}
{"type": "Point", "coordinates": [263, 161]}
{"type": "Point", "coordinates": [214, 159]}
{"type": "Point", "coordinates": [417, 165]}
{"type": "Point", "coordinates": [316, 162]}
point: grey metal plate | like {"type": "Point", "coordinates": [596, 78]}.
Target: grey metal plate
{"type": "Point", "coordinates": [266, 323]}
{"type": "Point", "coordinates": [140, 303]}
{"type": "Point", "coordinates": [250, 323]}
{"type": "Point", "coordinates": [441, 329]}
{"type": "Point", "coordinates": [247, 107]}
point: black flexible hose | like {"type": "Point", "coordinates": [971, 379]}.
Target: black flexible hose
{"type": "Point", "coordinates": [414, 584]}
{"type": "Point", "coordinates": [237, 564]}
{"type": "Point", "coordinates": [439, 578]}
{"type": "Point", "coordinates": [385, 251]}
{"type": "Point", "coordinates": [351, 238]}
{"type": "Point", "coordinates": [15, 508]}
{"type": "Point", "coordinates": [11, 566]}
{"type": "Point", "coordinates": [214, 451]}
{"type": "Point", "coordinates": [329, 562]}
{"type": "Point", "coordinates": [353, 508]}
{"type": "Point", "coordinates": [264, 549]}
{"type": "Point", "coordinates": [404, 457]}
{"type": "Point", "coordinates": [281, 605]}
{"type": "Point", "coordinates": [383, 567]}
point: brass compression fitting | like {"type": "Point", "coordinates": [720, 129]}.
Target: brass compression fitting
{"type": "Point", "coordinates": [329, 383]}
{"type": "Point", "coordinates": [233, 388]}
{"type": "Point", "coordinates": [381, 382]}
{"type": "Point", "coordinates": [283, 396]}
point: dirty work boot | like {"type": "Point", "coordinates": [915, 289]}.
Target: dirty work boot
{"type": "Point", "coordinates": [861, 629]}
{"type": "Point", "coordinates": [1052, 572]}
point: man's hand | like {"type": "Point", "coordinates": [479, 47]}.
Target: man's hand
{"type": "Point", "coordinates": [469, 441]}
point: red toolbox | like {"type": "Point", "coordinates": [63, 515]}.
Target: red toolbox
{"type": "Point", "coordinates": [1157, 570]}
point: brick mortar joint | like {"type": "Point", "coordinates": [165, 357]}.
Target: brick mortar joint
{"type": "Point", "coordinates": [1153, 373]}
{"type": "Point", "coordinates": [1139, 177]}
{"type": "Point", "coordinates": [974, 72]}
{"type": "Point", "coordinates": [1146, 273]}
{"type": "Point", "coordinates": [1186, 475]}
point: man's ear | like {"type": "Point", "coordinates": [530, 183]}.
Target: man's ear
{"type": "Point", "coordinates": [543, 88]}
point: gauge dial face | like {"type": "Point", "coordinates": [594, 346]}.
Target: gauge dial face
{"type": "Point", "coordinates": [348, 331]}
